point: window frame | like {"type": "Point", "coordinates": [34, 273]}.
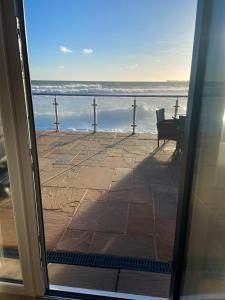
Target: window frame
{"type": "Point", "coordinates": [20, 164]}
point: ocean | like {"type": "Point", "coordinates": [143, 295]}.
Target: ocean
{"type": "Point", "coordinates": [113, 113]}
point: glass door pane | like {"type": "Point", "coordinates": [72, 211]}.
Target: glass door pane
{"type": "Point", "coordinates": [9, 258]}
{"type": "Point", "coordinates": [109, 180]}
{"type": "Point", "coordinates": [205, 268]}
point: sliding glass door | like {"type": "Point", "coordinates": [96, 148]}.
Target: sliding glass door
{"type": "Point", "coordinates": [203, 264]}
{"type": "Point", "coordinates": [10, 269]}
{"type": "Point", "coordinates": [85, 225]}
{"type": "Point", "coordinates": [20, 264]}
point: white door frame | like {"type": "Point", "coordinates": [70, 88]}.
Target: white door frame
{"type": "Point", "coordinates": [15, 126]}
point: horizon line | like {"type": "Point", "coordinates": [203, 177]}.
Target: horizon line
{"type": "Point", "coordinates": [143, 81]}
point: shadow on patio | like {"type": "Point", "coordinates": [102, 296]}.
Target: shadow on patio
{"type": "Point", "coordinates": [109, 193]}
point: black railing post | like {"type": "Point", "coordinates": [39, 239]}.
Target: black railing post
{"type": "Point", "coordinates": [176, 107]}
{"type": "Point", "coordinates": [56, 115]}
{"type": "Point", "coordinates": [134, 116]}
{"type": "Point", "coordinates": [94, 115]}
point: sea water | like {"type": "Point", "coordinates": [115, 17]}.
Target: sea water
{"type": "Point", "coordinates": [113, 113]}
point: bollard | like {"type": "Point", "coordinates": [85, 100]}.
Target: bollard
{"type": "Point", "coordinates": [176, 107]}
{"type": "Point", "coordinates": [56, 115]}
{"type": "Point", "coordinates": [134, 116]}
{"type": "Point", "coordinates": [94, 115]}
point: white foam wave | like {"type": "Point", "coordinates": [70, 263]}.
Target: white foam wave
{"type": "Point", "coordinates": [100, 89]}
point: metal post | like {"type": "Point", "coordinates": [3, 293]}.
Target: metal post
{"type": "Point", "coordinates": [56, 115]}
{"type": "Point", "coordinates": [94, 115]}
{"type": "Point", "coordinates": [134, 115]}
{"type": "Point", "coordinates": [176, 107]}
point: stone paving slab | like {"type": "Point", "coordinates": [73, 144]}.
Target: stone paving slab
{"type": "Point", "coordinates": [165, 201]}
{"type": "Point", "coordinates": [93, 177]}
{"type": "Point", "coordinates": [82, 277]}
{"type": "Point", "coordinates": [75, 240]}
{"type": "Point", "coordinates": [144, 283]}
{"type": "Point", "coordinates": [63, 199]}
{"type": "Point", "coordinates": [55, 224]}
{"type": "Point", "coordinates": [132, 195]}
{"type": "Point", "coordinates": [62, 177]}
{"type": "Point", "coordinates": [165, 234]}
{"type": "Point", "coordinates": [100, 216]}
{"type": "Point", "coordinates": [122, 174]}
{"type": "Point", "coordinates": [64, 159]}
{"type": "Point", "coordinates": [10, 269]}
{"type": "Point", "coordinates": [123, 245]}
{"type": "Point", "coordinates": [8, 236]}
{"type": "Point", "coordinates": [50, 173]}
{"type": "Point", "coordinates": [140, 219]}
{"type": "Point", "coordinates": [96, 195]}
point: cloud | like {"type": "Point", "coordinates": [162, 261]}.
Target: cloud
{"type": "Point", "coordinates": [134, 66]}
{"type": "Point", "coordinates": [61, 67]}
{"type": "Point", "coordinates": [87, 51]}
{"type": "Point", "coordinates": [129, 67]}
{"type": "Point", "coordinates": [65, 49]}
{"type": "Point", "coordinates": [186, 50]}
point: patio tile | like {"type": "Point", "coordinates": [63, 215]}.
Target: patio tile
{"type": "Point", "coordinates": [47, 175]}
{"type": "Point", "coordinates": [64, 199]}
{"type": "Point", "coordinates": [165, 201]}
{"type": "Point", "coordinates": [114, 152]}
{"type": "Point", "coordinates": [93, 178]}
{"type": "Point", "coordinates": [43, 150]}
{"type": "Point", "coordinates": [132, 195]}
{"type": "Point", "coordinates": [65, 178]}
{"type": "Point", "coordinates": [100, 216]}
{"type": "Point", "coordinates": [140, 219]}
{"type": "Point", "coordinates": [64, 159]}
{"type": "Point", "coordinates": [123, 245]}
{"type": "Point", "coordinates": [8, 236]}
{"type": "Point", "coordinates": [144, 283]}
{"type": "Point", "coordinates": [148, 136]}
{"type": "Point", "coordinates": [75, 241]}
{"type": "Point", "coordinates": [164, 249]}
{"type": "Point", "coordinates": [122, 174]}
{"type": "Point", "coordinates": [10, 269]}
{"type": "Point", "coordinates": [46, 139]}
{"type": "Point", "coordinates": [69, 139]}
{"type": "Point", "coordinates": [135, 149]}
{"type": "Point", "coordinates": [112, 162]}
{"type": "Point", "coordinates": [139, 158]}
{"type": "Point", "coordinates": [45, 163]}
{"type": "Point", "coordinates": [96, 195]}
{"type": "Point", "coordinates": [105, 135]}
{"type": "Point", "coordinates": [127, 162]}
{"type": "Point", "coordinates": [87, 153]}
{"type": "Point", "coordinates": [165, 231]}
{"type": "Point", "coordinates": [128, 184]}
{"type": "Point", "coordinates": [5, 203]}
{"type": "Point", "coordinates": [153, 174]}
{"type": "Point", "coordinates": [55, 224]}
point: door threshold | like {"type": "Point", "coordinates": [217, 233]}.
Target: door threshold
{"type": "Point", "coordinates": [76, 293]}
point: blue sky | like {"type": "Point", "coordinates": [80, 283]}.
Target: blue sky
{"type": "Point", "coordinates": [129, 40]}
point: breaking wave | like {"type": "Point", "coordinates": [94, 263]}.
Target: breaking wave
{"type": "Point", "coordinates": [113, 114]}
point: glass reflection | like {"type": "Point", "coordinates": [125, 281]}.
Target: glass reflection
{"type": "Point", "coordinates": [9, 262]}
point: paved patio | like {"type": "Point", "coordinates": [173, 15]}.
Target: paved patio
{"type": "Point", "coordinates": [106, 193]}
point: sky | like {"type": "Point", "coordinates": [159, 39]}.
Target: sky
{"type": "Point", "coordinates": [114, 40]}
